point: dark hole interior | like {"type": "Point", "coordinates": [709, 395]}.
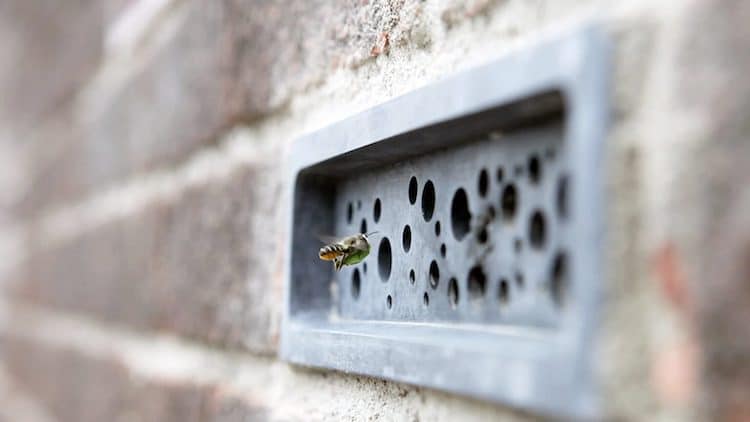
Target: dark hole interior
{"type": "Point", "coordinates": [483, 183]}
{"type": "Point", "coordinates": [356, 281]}
{"type": "Point", "coordinates": [453, 292]}
{"type": "Point", "coordinates": [535, 169]}
{"type": "Point", "coordinates": [376, 210]}
{"type": "Point", "coordinates": [413, 188]}
{"type": "Point", "coordinates": [537, 230]}
{"type": "Point", "coordinates": [503, 293]}
{"type": "Point", "coordinates": [559, 279]}
{"type": "Point", "coordinates": [384, 259]}
{"type": "Point", "coordinates": [460, 214]}
{"type": "Point", "coordinates": [509, 202]}
{"type": "Point", "coordinates": [406, 238]}
{"type": "Point", "coordinates": [477, 282]}
{"type": "Point", "coordinates": [434, 274]}
{"type": "Point", "coordinates": [428, 200]}
{"type": "Point", "coordinates": [562, 197]}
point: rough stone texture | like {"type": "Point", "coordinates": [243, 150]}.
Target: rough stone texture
{"type": "Point", "coordinates": [200, 264]}
{"type": "Point", "coordinates": [71, 386]}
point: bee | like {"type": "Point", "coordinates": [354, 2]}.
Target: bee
{"type": "Point", "coordinates": [350, 250]}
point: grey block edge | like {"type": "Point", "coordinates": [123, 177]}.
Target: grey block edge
{"type": "Point", "coordinates": [549, 376]}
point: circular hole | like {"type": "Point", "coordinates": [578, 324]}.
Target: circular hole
{"type": "Point", "coordinates": [434, 274]}
{"type": "Point", "coordinates": [559, 279]}
{"type": "Point", "coordinates": [376, 210]}
{"type": "Point", "coordinates": [562, 197]}
{"type": "Point", "coordinates": [406, 238]}
{"type": "Point", "coordinates": [477, 282]}
{"type": "Point", "coordinates": [442, 250]}
{"type": "Point", "coordinates": [359, 204]}
{"type": "Point", "coordinates": [413, 188]}
{"type": "Point", "coordinates": [437, 228]}
{"type": "Point", "coordinates": [428, 200]}
{"type": "Point", "coordinates": [356, 282]}
{"type": "Point", "coordinates": [537, 230]}
{"type": "Point", "coordinates": [500, 174]}
{"type": "Point", "coordinates": [482, 236]}
{"type": "Point", "coordinates": [384, 259]}
{"type": "Point", "coordinates": [517, 245]}
{"type": "Point", "coordinates": [535, 169]}
{"type": "Point", "coordinates": [460, 215]}
{"type": "Point", "coordinates": [389, 302]}
{"type": "Point", "coordinates": [453, 292]}
{"type": "Point", "coordinates": [349, 213]}
{"type": "Point", "coordinates": [412, 276]}
{"type": "Point", "coordinates": [519, 279]}
{"type": "Point", "coordinates": [363, 226]}
{"type": "Point", "coordinates": [426, 299]}
{"type": "Point", "coordinates": [483, 184]}
{"type": "Point", "coordinates": [503, 293]}
{"type": "Point", "coordinates": [509, 202]}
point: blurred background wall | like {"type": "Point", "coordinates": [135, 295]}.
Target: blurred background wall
{"type": "Point", "coordinates": [142, 146]}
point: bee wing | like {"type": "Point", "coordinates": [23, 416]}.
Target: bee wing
{"type": "Point", "coordinates": [328, 239]}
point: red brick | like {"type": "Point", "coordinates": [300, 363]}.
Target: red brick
{"type": "Point", "coordinates": [73, 386]}
{"type": "Point", "coordinates": [202, 264]}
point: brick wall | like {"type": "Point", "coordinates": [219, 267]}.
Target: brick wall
{"type": "Point", "coordinates": [141, 152]}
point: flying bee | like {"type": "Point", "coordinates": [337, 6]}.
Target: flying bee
{"type": "Point", "coordinates": [350, 250]}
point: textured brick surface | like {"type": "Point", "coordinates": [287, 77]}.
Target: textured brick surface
{"type": "Point", "coordinates": [224, 62]}
{"type": "Point", "coordinates": [201, 264]}
{"type": "Point", "coordinates": [72, 386]}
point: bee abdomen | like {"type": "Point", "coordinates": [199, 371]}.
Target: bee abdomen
{"type": "Point", "coordinates": [330, 252]}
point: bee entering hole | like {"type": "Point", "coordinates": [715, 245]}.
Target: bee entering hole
{"type": "Point", "coordinates": [389, 302]}
{"type": "Point", "coordinates": [376, 211]}
{"type": "Point", "coordinates": [384, 259]}
{"type": "Point", "coordinates": [476, 283]}
{"type": "Point", "coordinates": [460, 214]}
{"type": "Point", "coordinates": [428, 200]}
{"type": "Point", "coordinates": [363, 226]}
{"type": "Point", "coordinates": [426, 299]}
{"type": "Point", "coordinates": [434, 274]}
{"type": "Point", "coordinates": [537, 230]}
{"type": "Point", "coordinates": [509, 202]}
{"type": "Point", "coordinates": [559, 279]}
{"type": "Point", "coordinates": [413, 188]}
{"type": "Point", "coordinates": [406, 238]}
{"type": "Point", "coordinates": [483, 183]}
{"type": "Point", "coordinates": [356, 282]}
{"type": "Point", "coordinates": [453, 292]}
{"type": "Point", "coordinates": [535, 169]}
{"type": "Point", "coordinates": [503, 293]}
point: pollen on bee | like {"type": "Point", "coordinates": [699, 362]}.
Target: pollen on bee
{"type": "Point", "coordinates": [327, 254]}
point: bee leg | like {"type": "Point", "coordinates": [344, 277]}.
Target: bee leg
{"type": "Point", "coordinates": [338, 263]}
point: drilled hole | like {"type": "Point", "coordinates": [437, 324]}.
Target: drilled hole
{"type": "Point", "coordinates": [482, 236]}
{"type": "Point", "coordinates": [562, 197]}
{"type": "Point", "coordinates": [376, 210]}
{"type": "Point", "coordinates": [363, 226]}
{"type": "Point", "coordinates": [503, 293]}
{"type": "Point", "coordinates": [509, 202]}
{"type": "Point", "coordinates": [434, 274]}
{"type": "Point", "coordinates": [426, 299]}
{"type": "Point", "coordinates": [384, 259]}
{"type": "Point", "coordinates": [559, 279]}
{"type": "Point", "coordinates": [500, 174]}
{"type": "Point", "coordinates": [453, 292]}
{"type": "Point", "coordinates": [483, 183]}
{"type": "Point", "coordinates": [364, 267]}
{"type": "Point", "coordinates": [460, 215]}
{"type": "Point", "coordinates": [535, 169]}
{"type": "Point", "coordinates": [428, 200]}
{"type": "Point", "coordinates": [406, 238]}
{"type": "Point", "coordinates": [389, 302]}
{"type": "Point", "coordinates": [537, 230]}
{"type": "Point", "coordinates": [356, 282]}
{"type": "Point", "coordinates": [412, 277]}
{"type": "Point", "coordinates": [477, 282]}
{"type": "Point", "coordinates": [349, 213]}
{"type": "Point", "coordinates": [413, 188]}
{"type": "Point", "coordinates": [442, 250]}
{"type": "Point", "coordinates": [437, 228]}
